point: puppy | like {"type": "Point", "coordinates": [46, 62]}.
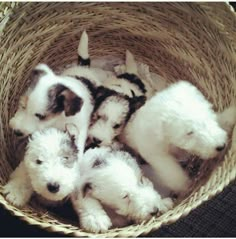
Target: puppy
{"type": "Point", "coordinates": [178, 116]}
{"type": "Point", "coordinates": [56, 173]}
{"type": "Point", "coordinates": [128, 83]}
{"type": "Point", "coordinates": [111, 112]}
{"type": "Point", "coordinates": [53, 101]}
{"type": "Point", "coordinates": [96, 75]}
{"type": "Point", "coordinates": [49, 168]}
{"type": "Point", "coordinates": [128, 192]}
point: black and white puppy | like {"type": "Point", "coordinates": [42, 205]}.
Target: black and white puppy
{"type": "Point", "coordinates": [111, 113]}
{"type": "Point", "coordinates": [54, 100]}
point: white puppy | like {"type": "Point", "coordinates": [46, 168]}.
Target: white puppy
{"type": "Point", "coordinates": [51, 168]}
{"type": "Point", "coordinates": [127, 191]}
{"type": "Point", "coordinates": [179, 116]}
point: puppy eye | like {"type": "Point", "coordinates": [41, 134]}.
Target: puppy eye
{"type": "Point", "coordinates": [116, 126]}
{"type": "Point", "coordinates": [66, 157]}
{"type": "Point", "coordinates": [190, 132]}
{"type": "Point", "coordinates": [38, 161]}
{"type": "Point", "coordinates": [41, 117]}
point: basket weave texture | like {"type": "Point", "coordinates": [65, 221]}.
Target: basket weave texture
{"type": "Point", "coordinates": [188, 41]}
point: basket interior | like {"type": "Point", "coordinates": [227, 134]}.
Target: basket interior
{"type": "Point", "coordinates": [178, 41]}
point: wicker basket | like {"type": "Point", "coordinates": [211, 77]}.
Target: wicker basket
{"type": "Point", "coordinates": [189, 41]}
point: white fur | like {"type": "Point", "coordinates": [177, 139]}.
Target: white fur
{"type": "Point", "coordinates": [51, 157]}
{"type": "Point", "coordinates": [122, 85]}
{"type": "Point", "coordinates": [127, 191]}
{"type": "Point", "coordinates": [110, 113]}
{"type": "Point", "coordinates": [227, 118]}
{"type": "Point", "coordinates": [58, 164]}
{"type": "Point", "coordinates": [179, 116]}
{"type": "Point", "coordinates": [83, 46]}
{"type": "Point", "coordinates": [37, 101]}
{"type": "Point", "coordinates": [18, 190]}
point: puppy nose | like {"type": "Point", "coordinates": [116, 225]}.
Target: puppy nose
{"type": "Point", "coordinates": [220, 148]}
{"type": "Point", "coordinates": [18, 133]}
{"type": "Point", "coordinates": [155, 211]}
{"type": "Point", "coordinates": [53, 187]}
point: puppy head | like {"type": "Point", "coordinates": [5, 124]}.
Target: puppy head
{"type": "Point", "coordinates": [109, 120]}
{"type": "Point", "coordinates": [201, 136]}
{"type": "Point", "coordinates": [146, 202]}
{"type": "Point", "coordinates": [51, 163]}
{"type": "Point", "coordinates": [44, 102]}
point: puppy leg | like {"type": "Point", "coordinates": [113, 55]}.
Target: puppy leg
{"type": "Point", "coordinates": [18, 190]}
{"type": "Point", "coordinates": [92, 216]}
{"type": "Point", "coordinates": [82, 141]}
{"type": "Point", "coordinates": [146, 202]}
{"type": "Point", "coordinates": [166, 205]}
{"type": "Point", "coordinates": [227, 118]}
{"type": "Point", "coordinates": [169, 171]}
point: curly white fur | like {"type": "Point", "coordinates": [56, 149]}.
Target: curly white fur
{"type": "Point", "coordinates": [128, 192]}
{"type": "Point", "coordinates": [180, 116]}
{"type": "Point", "coordinates": [52, 169]}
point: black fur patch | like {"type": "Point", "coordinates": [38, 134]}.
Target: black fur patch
{"type": "Point", "coordinates": [61, 99]}
{"type": "Point", "coordinates": [90, 86]}
{"type": "Point", "coordinates": [55, 99]}
{"type": "Point", "coordinates": [98, 163]}
{"type": "Point", "coordinates": [101, 94]}
{"type": "Point", "coordinates": [86, 188]}
{"type": "Point", "coordinates": [92, 143]}
{"type": "Point", "coordinates": [132, 78]}
{"type": "Point", "coordinates": [83, 62]}
{"type": "Point", "coordinates": [73, 106]}
{"type": "Point", "coordinates": [73, 144]}
{"type": "Point", "coordinates": [133, 94]}
{"type": "Point", "coordinates": [134, 104]}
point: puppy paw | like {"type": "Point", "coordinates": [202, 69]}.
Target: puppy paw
{"type": "Point", "coordinates": [166, 204]}
{"type": "Point", "coordinates": [16, 194]}
{"type": "Point", "coordinates": [95, 222]}
{"type": "Point", "coordinates": [145, 212]}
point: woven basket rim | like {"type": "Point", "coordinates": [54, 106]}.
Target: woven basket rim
{"type": "Point", "coordinates": [114, 233]}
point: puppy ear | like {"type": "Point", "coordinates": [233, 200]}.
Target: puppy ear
{"type": "Point", "coordinates": [63, 99]}
{"type": "Point", "coordinates": [102, 92]}
{"type": "Point", "coordinates": [44, 68]}
{"type": "Point", "coordinates": [72, 130]}
{"type": "Point", "coordinates": [35, 75]}
{"type": "Point", "coordinates": [137, 102]}
{"type": "Point", "coordinates": [130, 63]}
{"type": "Point", "coordinates": [72, 102]}
{"type": "Point", "coordinates": [23, 101]}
